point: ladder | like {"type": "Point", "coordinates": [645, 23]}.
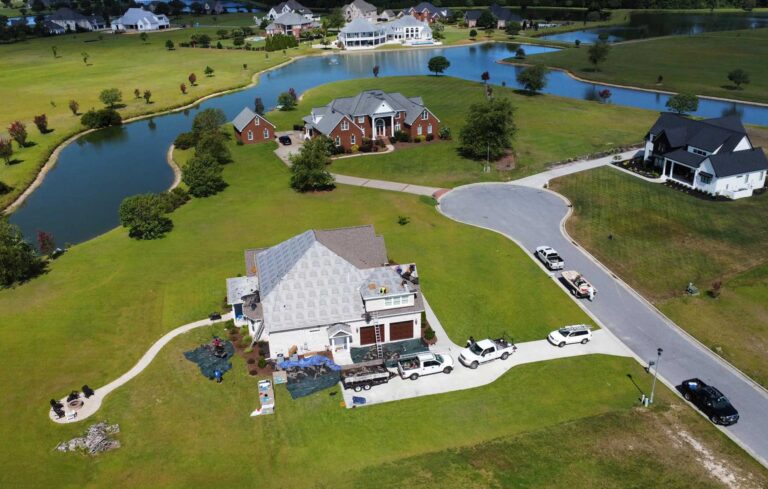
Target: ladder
{"type": "Point", "coordinates": [377, 328]}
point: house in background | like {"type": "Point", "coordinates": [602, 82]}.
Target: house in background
{"type": "Point", "coordinates": [427, 12]}
{"type": "Point", "coordinates": [251, 127]}
{"type": "Point", "coordinates": [471, 17]}
{"type": "Point", "coordinates": [138, 19]}
{"type": "Point", "coordinates": [362, 34]}
{"type": "Point", "coordinates": [360, 9]}
{"type": "Point", "coordinates": [714, 156]}
{"type": "Point", "coordinates": [503, 16]}
{"type": "Point", "coordinates": [407, 30]}
{"type": "Point", "coordinates": [326, 290]}
{"type": "Point", "coordinates": [73, 20]}
{"type": "Point", "coordinates": [372, 114]}
{"type": "Point", "coordinates": [386, 16]}
{"type": "Point", "coordinates": [291, 6]}
{"type": "Point", "coordinates": [291, 24]}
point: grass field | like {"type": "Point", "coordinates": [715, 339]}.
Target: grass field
{"type": "Point", "coordinates": [42, 84]}
{"type": "Point", "coordinates": [580, 128]}
{"type": "Point", "coordinates": [106, 300]}
{"type": "Point", "coordinates": [663, 239]}
{"type": "Point", "coordinates": [698, 64]}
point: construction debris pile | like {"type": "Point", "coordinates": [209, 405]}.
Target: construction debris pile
{"type": "Point", "coordinates": [96, 440]}
{"type": "Point", "coordinates": [391, 351]}
{"type": "Point", "coordinates": [213, 357]}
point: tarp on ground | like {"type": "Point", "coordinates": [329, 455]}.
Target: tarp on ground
{"type": "Point", "coordinates": [392, 351]}
{"type": "Point", "coordinates": [208, 362]}
{"type": "Point", "coordinates": [310, 375]}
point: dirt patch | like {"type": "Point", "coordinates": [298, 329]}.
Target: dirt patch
{"type": "Point", "coordinates": [251, 358]}
{"type": "Point", "coordinates": [507, 163]}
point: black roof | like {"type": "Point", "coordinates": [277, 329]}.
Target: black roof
{"type": "Point", "coordinates": [65, 13]}
{"type": "Point", "coordinates": [710, 134]}
{"type": "Point", "coordinates": [684, 157]}
{"type": "Point", "coordinates": [738, 162]}
{"type": "Point", "coordinates": [505, 14]}
{"type": "Point", "coordinates": [472, 14]}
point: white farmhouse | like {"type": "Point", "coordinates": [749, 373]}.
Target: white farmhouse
{"type": "Point", "coordinates": [714, 156]}
{"type": "Point", "coordinates": [138, 19]}
{"type": "Point", "coordinates": [326, 290]}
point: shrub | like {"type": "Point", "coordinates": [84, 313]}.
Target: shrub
{"type": "Point", "coordinates": [402, 137]}
{"type": "Point", "coordinates": [101, 118]}
{"type": "Point", "coordinates": [185, 140]}
{"type": "Point", "coordinates": [354, 148]}
{"type": "Point", "coordinates": [175, 198]}
{"type": "Point", "coordinates": [144, 216]}
{"type": "Point", "coordinates": [262, 362]}
{"type": "Point", "coordinates": [403, 220]}
{"type": "Point", "coordinates": [245, 341]}
{"type": "Point", "coordinates": [429, 333]}
{"type": "Point", "coordinates": [243, 331]}
{"type": "Point", "coordinates": [202, 174]}
{"type": "Point", "coordinates": [430, 137]}
{"type": "Point", "coordinates": [445, 132]}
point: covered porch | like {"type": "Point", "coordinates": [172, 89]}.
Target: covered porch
{"type": "Point", "coordinates": [680, 172]}
{"type": "Point", "coordinates": [384, 126]}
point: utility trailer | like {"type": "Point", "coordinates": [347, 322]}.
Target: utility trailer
{"type": "Point", "coordinates": [578, 285]}
{"type": "Point", "coordinates": [363, 378]}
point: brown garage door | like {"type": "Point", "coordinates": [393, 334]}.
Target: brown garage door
{"type": "Point", "coordinates": [401, 331]}
{"type": "Point", "coordinates": [368, 335]}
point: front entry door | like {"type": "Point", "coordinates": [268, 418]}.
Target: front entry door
{"type": "Point", "coordinates": [340, 342]}
{"type": "Point", "coordinates": [380, 128]}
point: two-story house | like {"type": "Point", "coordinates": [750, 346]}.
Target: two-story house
{"type": "Point", "coordinates": [326, 290]}
{"type": "Point", "coordinates": [360, 9]}
{"type": "Point", "coordinates": [373, 114]}
{"type": "Point", "coordinates": [291, 24]}
{"type": "Point", "coordinates": [428, 12]}
{"type": "Point", "coordinates": [714, 156]}
{"type": "Point", "coordinates": [251, 127]}
{"type": "Point", "coordinates": [291, 6]}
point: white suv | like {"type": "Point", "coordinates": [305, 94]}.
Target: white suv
{"type": "Point", "coordinates": [568, 335]}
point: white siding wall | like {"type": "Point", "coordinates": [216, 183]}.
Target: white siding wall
{"type": "Point", "coordinates": [372, 305]}
{"type": "Point", "coordinates": [743, 144]}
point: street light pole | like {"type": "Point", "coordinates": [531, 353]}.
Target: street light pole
{"type": "Point", "coordinates": [655, 373]}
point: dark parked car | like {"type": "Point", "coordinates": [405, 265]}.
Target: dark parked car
{"type": "Point", "coordinates": [215, 316]}
{"type": "Point", "coordinates": [285, 140]}
{"type": "Point", "coordinates": [710, 401]}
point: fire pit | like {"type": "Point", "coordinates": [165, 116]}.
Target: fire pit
{"type": "Point", "coordinates": [75, 404]}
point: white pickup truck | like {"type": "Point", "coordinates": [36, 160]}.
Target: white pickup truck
{"type": "Point", "coordinates": [549, 257]}
{"type": "Point", "coordinates": [427, 363]}
{"type": "Point", "coordinates": [484, 351]}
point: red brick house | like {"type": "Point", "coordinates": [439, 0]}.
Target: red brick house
{"type": "Point", "coordinates": [251, 127]}
{"type": "Point", "coordinates": [426, 12]}
{"type": "Point", "coordinates": [372, 114]}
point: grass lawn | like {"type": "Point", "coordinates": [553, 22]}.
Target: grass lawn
{"type": "Point", "coordinates": [579, 128]}
{"type": "Point", "coordinates": [42, 84]}
{"type": "Point", "coordinates": [698, 64]}
{"type": "Point", "coordinates": [105, 301]}
{"type": "Point", "coordinates": [663, 239]}
{"type": "Point", "coordinates": [239, 19]}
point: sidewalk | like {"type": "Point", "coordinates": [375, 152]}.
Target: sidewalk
{"type": "Point", "coordinates": [386, 185]}
{"type": "Point", "coordinates": [540, 179]}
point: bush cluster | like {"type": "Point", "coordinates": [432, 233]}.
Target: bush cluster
{"type": "Point", "coordinates": [278, 42]}
{"type": "Point", "coordinates": [94, 119]}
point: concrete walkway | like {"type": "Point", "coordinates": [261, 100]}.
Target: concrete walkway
{"type": "Point", "coordinates": [603, 342]}
{"type": "Point", "coordinates": [539, 180]}
{"type": "Point", "coordinates": [93, 403]}
{"type": "Point", "coordinates": [387, 185]}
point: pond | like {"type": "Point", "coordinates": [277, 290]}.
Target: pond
{"type": "Point", "coordinates": [643, 25]}
{"type": "Point", "coordinates": [80, 196]}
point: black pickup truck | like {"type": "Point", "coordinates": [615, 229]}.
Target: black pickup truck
{"type": "Point", "coordinates": [710, 401]}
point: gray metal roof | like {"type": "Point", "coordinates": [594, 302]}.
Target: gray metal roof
{"type": "Point", "coordinates": [408, 21]}
{"type": "Point", "coordinates": [132, 16]}
{"type": "Point", "coordinates": [361, 25]}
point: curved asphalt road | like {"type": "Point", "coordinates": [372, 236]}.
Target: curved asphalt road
{"type": "Point", "coordinates": [533, 217]}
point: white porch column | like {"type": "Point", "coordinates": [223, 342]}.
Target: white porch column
{"type": "Point", "coordinates": [392, 126]}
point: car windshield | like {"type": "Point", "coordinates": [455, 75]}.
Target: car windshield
{"type": "Point", "coordinates": [474, 348]}
{"type": "Point", "coordinates": [721, 402]}
{"type": "Point", "coordinates": [563, 332]}
{"type": "Point", "coordinates": [439, 358]}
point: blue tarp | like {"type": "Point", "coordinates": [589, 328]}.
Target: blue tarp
{"type": "Point", "coordinates": [314, 361]}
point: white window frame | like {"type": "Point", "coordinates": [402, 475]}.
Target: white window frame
{"type": "Point", "coordinates": [419, 130]}
{"type": "Point", "coordinates": [256, 121]}
{"type": "Point", "coordinates": [425, 115]}
{"type": "Point", "coordinates": [397, 115]}
{"type": "Point", "coordinates": [361, 119]}
{"type": "Point", "coordinates": [429, 128]}
{"type": "Point", "coordinates": [266, 133]}
{"type": "Point", "coordinates": [397, 126]}
{"type": "Point", "coordinates": [338, 141]}
{"type": "Point", "coordinates": [400, 300]}
{"type": "Point", "coordinates": [352, 139]}
{"type": "Point", "coordinates": [250, 135]}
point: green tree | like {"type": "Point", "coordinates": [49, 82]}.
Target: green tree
{"type": "Point", "coordinates": [101, 118]}
{"type": "Point", "coordinates": [147, 96]}
{"type": "Point", "coordinates": [202, 175]}
{"type": "Point", "coordinates": [286, 101]}
{"type": "Point", "coordinates": [533, 78]}
{"type": "Point", "coordinates": [258, 106]}
{"type": "Point", "coordinates": [143, 36]}
{"type": "Point", "coordinates": [512, 28]}
{"type": "Point", "coordinates": [213, 144]}
{"type": "Point", "coordinates": [169, 45]}
{"type": "Point", "coordinates": [145, 216]}
{"type": "Point", "coordinates": [438, 64]}
{"type": "Point", "coordinates": [486, 20]}
{"type": "Point", "coordinates": [519, 53]}
{"type": "Point", "coordinates": [336, 19]}
{"type": "Point", "coordinates": [74, 106]}
{"type": "Point", "coordinates": [208, 71]}
{"type": "Point", "coordinates": [6, 150]}
{"type": "Point", "coordinates": [683, 103]}
{"type": "Point", "coordinates": [739, 77]}
{"type": "Point", "coordinates": [308, 167]}
{"type": "Point", "coordinates": [18, 259]}
{"type": "Point", "coordinates": [472, 33]}
{"type": "Point", "coordinates": [110, 97]}
{"type": "Point", "coordinates": [598, 52]}
{"type": "Point", "coordinates": [208, 120]}
{"type": "Point", "coordinates": [489, 129]}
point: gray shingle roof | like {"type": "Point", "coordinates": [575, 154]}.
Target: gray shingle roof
{"type": "Point", "coordinates": [67, 14]}
{"type": "Point", "coordinates": [472, 14]}
{"type": "Point", "coordinates": [739, 162]}
{"type": "Point", "coordinates": [293, 5]}
{"type": "Point", "coordinates": [502, 13]}
{"type": "Point", "coordinates": [364, 6]}
{"type": "Point", "coordinates": [290, 19]}
{"type": "Point", "coordinates": [245, 117]}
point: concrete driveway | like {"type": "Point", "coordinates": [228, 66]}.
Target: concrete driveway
{"type": "Point", "coordinates": [533, 217]}
{"type": "Point", "coordinates": [285, 152]}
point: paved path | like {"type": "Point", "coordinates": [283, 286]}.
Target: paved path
{"type": "Point", "coordinates": [533, 217]}
{"type": "Point", "coordinates": [603, 342]}
{"type": "Point", "coordinates": [540, 179]}
{"type": "Point", "coordinates": [93, 403]}
{"type": "Point", "coordinates": [386, 185]}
